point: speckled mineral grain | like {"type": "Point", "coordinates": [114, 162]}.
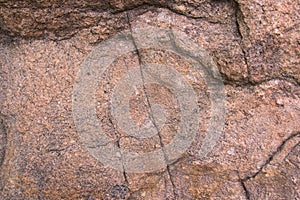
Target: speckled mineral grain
{"type": "Point", "coordinates": [254, 44]}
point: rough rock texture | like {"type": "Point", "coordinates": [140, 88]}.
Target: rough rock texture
{"type": "Point", "coordinates": [255, 45]}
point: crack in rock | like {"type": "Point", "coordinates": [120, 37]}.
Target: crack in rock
{"type": "Point", "coordinates": [3, 141]}
{"type": "Point", "coordinates": [150, 109]}
{"type": "Point", "coordinates": [3, 138]}
{"type": "Point", "coordinates": [271, 157]}
{"type": "Point", "coordinates": [278, 150]}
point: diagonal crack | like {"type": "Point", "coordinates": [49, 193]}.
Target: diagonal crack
{"type": "Point", "coordinates": [271, 157]}
{"type": "Point", "coordinates": [267, 162]}
{"type": "Point", "coordinates": [150, 111]}
{"type": "Point", "coordinates": [246, 191]}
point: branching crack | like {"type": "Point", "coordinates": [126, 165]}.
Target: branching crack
{"type": "Point", "coordinates": [271, 157]}
{"type": "Point", "coordinates": [268, 161]}
{"type": "Point", "coordinates": [150, 111]}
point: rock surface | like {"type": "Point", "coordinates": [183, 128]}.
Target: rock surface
{"type": "Point", "coordinates": [255, 45]}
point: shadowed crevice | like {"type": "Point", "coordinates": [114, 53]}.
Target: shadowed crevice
{"type": "Point", "coordinates": [240, 24]}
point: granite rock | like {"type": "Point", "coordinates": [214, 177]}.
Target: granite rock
{"type": "Point", "coordinates": [255, 46]}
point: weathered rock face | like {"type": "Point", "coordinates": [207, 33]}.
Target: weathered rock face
{"type": "Point", "coordinates": [255, 45]}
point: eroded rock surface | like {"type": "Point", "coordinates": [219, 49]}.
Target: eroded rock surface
{"type": "Point", "coordinates": [255, 45]}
